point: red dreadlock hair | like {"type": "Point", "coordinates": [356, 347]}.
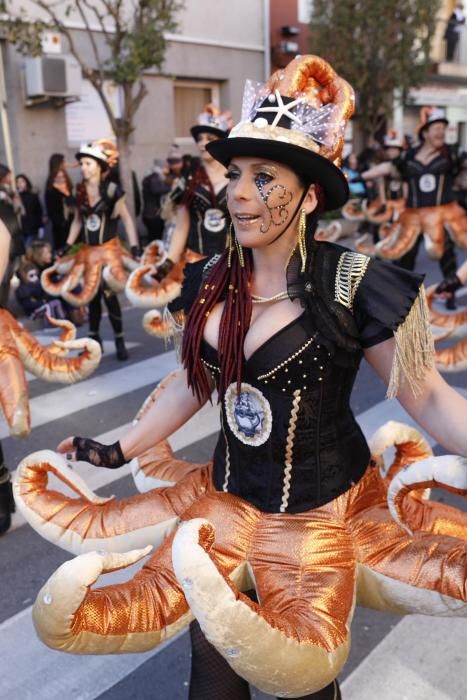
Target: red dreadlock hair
{"type": "Point", "coordinates": [199, 177]}
{"type": "Point", "coordinates": [235, 319]}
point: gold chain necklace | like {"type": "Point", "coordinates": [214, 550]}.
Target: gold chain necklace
{"type": "Point", "coordinates": [280, 296]}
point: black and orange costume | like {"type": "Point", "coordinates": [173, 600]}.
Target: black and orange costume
{"type": "Point", "coordinates": [99, 268]}
{"type": "Point", "coordinates": [432, 213]}
{"type": "Point", "coordinates": [294, 504]}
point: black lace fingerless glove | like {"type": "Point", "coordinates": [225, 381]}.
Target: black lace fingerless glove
{"type": "Point", "coordinates": [449, 285]}
{"type": "Point", "coordinates": [109, 456]}
{"type": "Point", "coordinates": [163, 270]}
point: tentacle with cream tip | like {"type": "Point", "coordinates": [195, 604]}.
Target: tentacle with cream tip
{"type": "Point", "coordinates": [64, 593]}
{"type": "Point", "coordinates": [447, 472]}
{"type": "Point", "coordinates": [253, 640]}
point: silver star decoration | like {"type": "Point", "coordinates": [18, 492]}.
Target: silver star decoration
{"type": "Point", "coordinates": [282, 110]}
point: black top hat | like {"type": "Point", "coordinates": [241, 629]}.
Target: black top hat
{"type": "Point", "coordinates": [297, 118]}
{"type": "Point", "coordinates": [212, 121]}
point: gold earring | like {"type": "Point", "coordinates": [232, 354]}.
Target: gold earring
{"type": "Point", "coordinates": [301, 238]}
{"type": "Point", "coordinates": [229, 246]}
{"type": "Point", "coordinates": [239, 251]}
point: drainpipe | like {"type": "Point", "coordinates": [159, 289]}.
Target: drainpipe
{"type": "Point", "coordinates": [4, 117]}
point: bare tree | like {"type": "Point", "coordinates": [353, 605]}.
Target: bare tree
{"type": "Point", "coordinates": [126, 39]}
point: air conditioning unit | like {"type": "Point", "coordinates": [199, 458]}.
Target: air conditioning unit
{"type": "Point", "coordinates": [52, 76]}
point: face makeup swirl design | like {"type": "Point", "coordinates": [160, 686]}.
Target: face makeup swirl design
{"type": "Point", "coordinates": [276, 199]}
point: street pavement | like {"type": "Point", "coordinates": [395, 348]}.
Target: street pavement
{"type": "Point", "coordinates": [392, 658]}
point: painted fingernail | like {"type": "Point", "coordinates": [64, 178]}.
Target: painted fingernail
{"type": "Point", "coordinates": [69, 455]}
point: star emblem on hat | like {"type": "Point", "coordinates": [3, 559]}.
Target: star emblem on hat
{"type": "Point", "coordinates": [282, 110]}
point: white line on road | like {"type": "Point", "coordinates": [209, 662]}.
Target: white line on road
{"type": "Point", "coordinates": [422, 658]}
{"type": "Point", "coordinates": [56, 404]}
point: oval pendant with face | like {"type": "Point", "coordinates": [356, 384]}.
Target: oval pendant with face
{"type": "Point", "coordinates": [248, 414]}
{"type": "Point", "coordinates": [93, 222]}
{"type": "Point", "coordinates": [427, 182]}
{"type": "Point", "coordinates": [214, 220]}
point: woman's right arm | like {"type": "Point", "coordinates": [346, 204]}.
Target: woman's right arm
{"type": "Point", "coordinates": [180, 234]}
{"type": "Point", "coordinates": [177, 244]}
{"type": "Point", "coordinates": [173, 407]}
{"type": "Point", "coordinates": [380, 170]}
{"type": "Point", "coordinates": [75, 229]}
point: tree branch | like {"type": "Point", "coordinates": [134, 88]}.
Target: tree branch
{"type": "Point", "coordinates": [90, 34]}
{"type": "Point", "coordinates": [98, 16]}
{"type": "Point", "coordinates": [140, 95]}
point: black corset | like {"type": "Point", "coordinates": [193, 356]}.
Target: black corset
{"type": "Point", "coordinates": [431, 184]}
{"type": "Point", "coordinates": [291, 442]}
{"type": "Point", "coordinates": [208, 227]}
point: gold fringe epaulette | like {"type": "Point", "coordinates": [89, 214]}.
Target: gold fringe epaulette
{"type": "Point", "coordinates": [174, 325]}
{"type": "Point", "coordinates": [350, 271]}
{"type": "Point", "coordinates": [414, 352]}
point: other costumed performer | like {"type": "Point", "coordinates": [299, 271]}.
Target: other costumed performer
{"type": "Point", "coordinates": [200, 222]}
{"type": "Point", "coordinates": [432, 213]}
{"type": "Point", "coordinates": [100, 204]}
{"type": "Point", "coordinates": [292, 505]}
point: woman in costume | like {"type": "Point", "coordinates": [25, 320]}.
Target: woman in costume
{"type": "Point", "coordinates": [432, 212]}
{"type": "Point", "coordinates": [99, 206]}
{"type": "Point", "coordinates": [201, 212]}
{"type": "Point", "coordinates": [292, 505]}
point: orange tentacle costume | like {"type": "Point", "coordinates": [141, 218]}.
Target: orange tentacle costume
{"type": "Point", "coordinates": [86, 268]}
{"type": "Point", "coordinates": [19, 349]}
{"type": "Point", "coordinates": [147, 292]}
{"type": "Point", "coordinates": [226, 545]}
{"type": "Point", "coordinates": [449, 327]}
{"type": "Point", "coordinates": [432, 222]}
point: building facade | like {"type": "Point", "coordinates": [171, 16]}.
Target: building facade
{"type": "Point", "coordinates": [217, 46]}
{"type": "Point", "coordinates": [446, 85]}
